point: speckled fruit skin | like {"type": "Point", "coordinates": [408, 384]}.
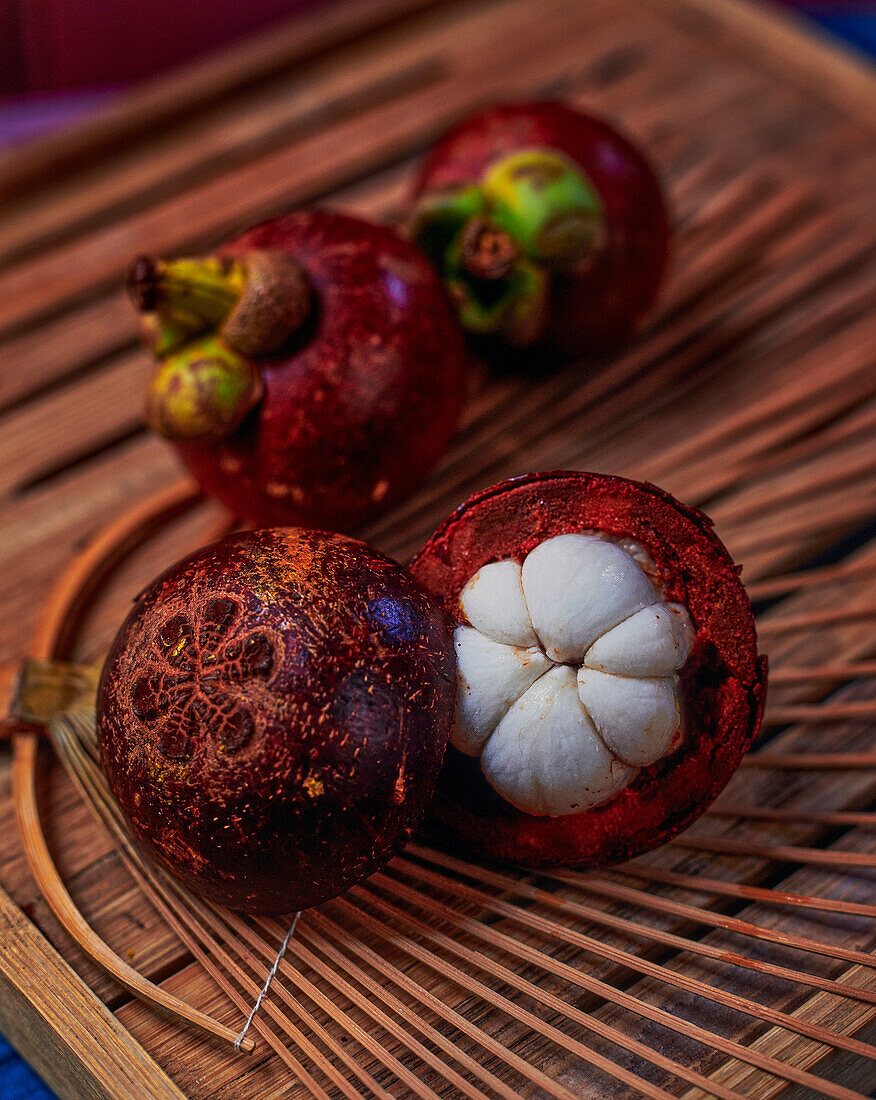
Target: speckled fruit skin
{"type": "Point", "coordinates": [599, 308]}
{"type": "Point", "coordinates": [273, 714]}
{"type": "Point", "coordinates": [362, 403]}
{"type": "Point", "coordinates": [724, 682]}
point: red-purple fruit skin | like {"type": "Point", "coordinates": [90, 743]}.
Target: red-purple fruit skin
{"type": "Point", "coordinates": [723, 682]}
{"type": "Point", "coordinates": [361, 404]}
{"type": "Point", "coordinates": [273, 714]}
{"type": "Point", "coordinates": [599, 308]}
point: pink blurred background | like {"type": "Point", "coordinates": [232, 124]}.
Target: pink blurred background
{"type": "Point", "coordinates": [60, 59]}
{"type": "Point", "coordinates": [53, 45]}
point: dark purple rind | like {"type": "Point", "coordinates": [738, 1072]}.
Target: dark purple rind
{"type": "Point", "coordinates": [289, 746]}
{"type": "Point", "coordinates": [361, 404]}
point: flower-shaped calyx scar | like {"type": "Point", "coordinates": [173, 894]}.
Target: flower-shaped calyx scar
{"type": "Point", "coordinates": [567, 673]}
{"type": "Point", "coordinates": [192, 681]}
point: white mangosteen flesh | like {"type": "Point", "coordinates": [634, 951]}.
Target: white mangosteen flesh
{"type": "Point", "coordinates": [567, 677]}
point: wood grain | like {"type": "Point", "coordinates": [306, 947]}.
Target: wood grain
{"type": "Point", "coordinates": [91, 1053]}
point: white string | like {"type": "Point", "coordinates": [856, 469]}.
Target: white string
{"type": "Point", "coordinates": [272, 973]}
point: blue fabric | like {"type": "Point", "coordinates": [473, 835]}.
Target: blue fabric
{"type": "Point", "coordinates": [854, 22]}
{"type": "Point", "coordinates": [17, 1080]}
{"type": "Point", "coordinates": [857, 26]}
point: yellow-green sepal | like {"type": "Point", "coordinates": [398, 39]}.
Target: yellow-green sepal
{"type": "Point", "coordinates": [203, 390]}
{"type": "Point", "coordinates": [514, 306]}
{"type": "Point", "coordinates": [546, 203]}
{"type": "Point", "coordinates": [440, 217]}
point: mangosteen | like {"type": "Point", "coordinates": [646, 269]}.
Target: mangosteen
{"type": "Point", "coordinates": [310, 371]}
{"type": "Point", "coordinates": [608, 678]}
{"type": "Point", "coordinates": [549, 229]}
{"type": "Point", "coordinates": [272, 716]}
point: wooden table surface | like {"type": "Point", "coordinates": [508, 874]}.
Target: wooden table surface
{"type": "Point", "coordinates": [751, 391]}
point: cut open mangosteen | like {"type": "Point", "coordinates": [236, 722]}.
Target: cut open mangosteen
{"type": "Point", "coordinates": [608, 681]}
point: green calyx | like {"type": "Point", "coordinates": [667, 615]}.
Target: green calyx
{"type": "Point", "coordinates": [544, 202]}
{"type": "Point", "coordinates": [209, 321]}
{"type": "Point", "coordinates": [514, 305]}
{"type": "Point", "coordinates": [534, 215]}
{"type": "Point", "coordinates": [202, 390]}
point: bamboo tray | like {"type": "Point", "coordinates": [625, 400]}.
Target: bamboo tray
{"type": "Point", "coordinates": [752, 392]}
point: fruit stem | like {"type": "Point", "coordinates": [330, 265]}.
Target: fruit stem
{"type": "Point", "coordinates": [255, 302]}
{"type": "Point", "coordinates": [190, 292]}
{"type": "Point", "coordinates": [485, 251]}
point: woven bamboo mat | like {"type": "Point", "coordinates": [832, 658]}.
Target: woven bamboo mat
{"type": "Point", "coordinates": [738, 954]}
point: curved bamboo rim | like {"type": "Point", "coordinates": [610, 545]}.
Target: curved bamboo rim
{"type": "Point", "coordinates": [52, 639]}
